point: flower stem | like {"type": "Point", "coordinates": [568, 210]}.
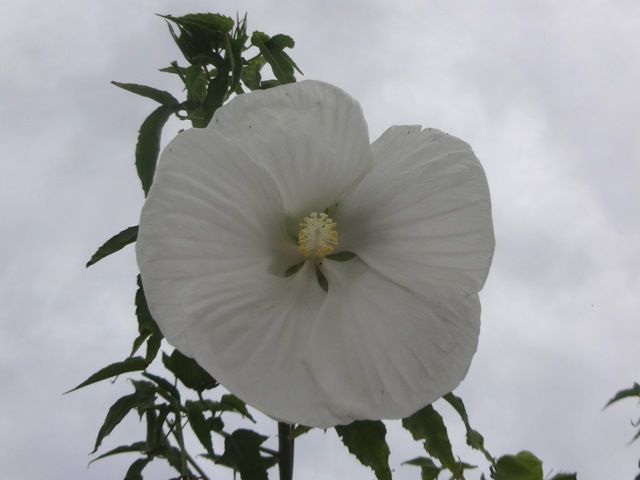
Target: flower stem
{"type": "Point", "coordinates": [285, 451]}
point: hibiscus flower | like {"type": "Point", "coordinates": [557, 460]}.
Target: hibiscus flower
{"type": "Point", "coordinates": [320, 278]}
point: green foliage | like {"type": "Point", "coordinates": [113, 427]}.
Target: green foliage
{"type": "Point", "coordinates": [365, 439]}
{"type": "Point", "coordinates": [131, 364]}
{"type": "Point", "coordinates": [428, 469]}
{"type": "Point", "coordinates": [188, 371]}
{"type": "Point", "coordinates": [272, 49]}
{"type": "Point", "coordinates": [632, 392]}
{"type": "Point", "coordinates": [474, 439]}
{"type": "Point", "coordinates": [141, 399]}
{"type": "Point", "coordinates": [115, 243]}
{"type": "Point", "coordinates": [522, 466]}
{"type": "Point", "coordinates": [147, 327]}
{"type": "Point", "coordinates": [427, 425]}
{"type": "Point", "coordinates": [148, 146]}
{"type": "Point", "coordinates": [160, 96]}
{"type": "Point", "coordinates": [242, 453]}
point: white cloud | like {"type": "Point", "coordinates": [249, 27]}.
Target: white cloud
{"type": "Point", "coordinates": [545, 92]}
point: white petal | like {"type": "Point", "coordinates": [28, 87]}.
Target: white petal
{"type": "Point", "coordinates": [251, 333]}
{"type": "Point", "coordinates": [379, 350]}
{"type": "Point", "coordinates": [210, 211]}
{"type": "Point", "coordinates": [422, 216]}
{"type": "Point", "coordinates": [310, 136]}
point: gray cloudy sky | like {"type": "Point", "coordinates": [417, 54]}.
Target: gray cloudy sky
{"type": "Point", "coordinates": [547, 94]}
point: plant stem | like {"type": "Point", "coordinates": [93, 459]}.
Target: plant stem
{"type": "Point", "coordinates": [285, 449]}
{"type": "Point", "coordinates": [188, 458]}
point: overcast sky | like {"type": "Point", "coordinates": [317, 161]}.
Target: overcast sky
{"type": "Point", "coordinates": [546, 92]}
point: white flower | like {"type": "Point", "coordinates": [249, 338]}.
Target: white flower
{"type": "Point", "coordinates": [279, 182]}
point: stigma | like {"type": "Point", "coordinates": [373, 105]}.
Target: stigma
{"type": "Point", "coordinates": [317, 236]}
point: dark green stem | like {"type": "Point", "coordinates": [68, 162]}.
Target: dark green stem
{"type": "Point", "coordinates": [285, 451]}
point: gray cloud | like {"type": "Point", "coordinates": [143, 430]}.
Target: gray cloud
{"type": "Point", "coordinates": [546, 93]}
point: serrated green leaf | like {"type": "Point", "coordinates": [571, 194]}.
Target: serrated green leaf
{"type": "Point", "coordinates": [250, 75]}
{"type": "Point", "coordinates": [299, 430]}
{"type": "Point", "coordinates": [242, 452]}
{"type": "Point", "coordinates": [565, 476]}
{"type": "Point", "coordinates": [199, 424]}
{"type": "Point", "coordinates": [427, 425]}
{"type": "Point", "coordinates": [522, 466]}
{"type": "Point", "coordinates": [209, 21]}
{"type": "Point", "coordinates": [201, 36]}
{"type": "Point", "coordinates": [147, 327]}
{"type": "Point", "coordinates": [165, 388]}
{"type": "Point", "coordinates": [115, 243]}
{"type": "Point", "coordinates": [474, 439]}
{"type": "Point", "coordinates": [148, 146]}
{"type": "Point", "coordinates": [273, 52]}
{"type": "Point", "coordinates": [428, 469]}
{"type": "Point", "coordinates": [216, 94]}
{"type": "Point", "coordinates": [173, 457]}
{"type": "Point", "coordinates": [365, 439]}
{"type": "Point", "coordinates": [160, 96]}
{"type": "Point", "coordinates": [634, 391]}
{"type": "Point", "coordinates": [135, 469]}
{"type": "Point", "coordinates": [142, 398]}
{"type": "Point", "coordinates": [134, 447]}
{"type": "Point", "coordinates": [231, 403]}
{"type": "Point", "coordinates": [188, 371]}
{"type": "Point", "coordinates": [153, 346]}
{"type": "Point", "coordinates": [131, 364]}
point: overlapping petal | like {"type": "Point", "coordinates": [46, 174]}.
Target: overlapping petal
{"type": "Point", "coordinates": [399, 324]}
{"type": "Point", "coordinates": [211, 212]}
{"type": "Point", "coordinates": [422, 216]}
{"type": "Point", "coordinates": [379, 350]}
{"type": "Point", "coordinates": [310, 136]}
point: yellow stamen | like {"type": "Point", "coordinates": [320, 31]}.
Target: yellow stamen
{"type": "Point", "coordinates": [317, 236]}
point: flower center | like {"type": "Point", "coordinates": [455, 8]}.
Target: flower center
{"type": "Point", "coordinates": [317, 236]}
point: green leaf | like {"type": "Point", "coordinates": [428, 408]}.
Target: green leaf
{"type": "Point", "coordinates": [166, 389]}
{"type": "Point", "coordinates": [341, 256]}
{"type": "Point", "coordinates": [160, 96]}
{"type": "Point", "coordinates": [231, 403]}
{"type": "Point", "coordinates": [634, 391]}
{"type": "Point", "coordinates": [427, 425]}
{"type": "Point", "coordinates": [365, 440]}
{"type": "Point", "coordinates": [522, 466]}
{"type": "Point", "coordinates": [474, 439]}
{"type": "Point", "coordinates": [210, 21]}
{"type": "Point", "coordinates": [272, 49]}
{"type": "Point", "coordinates": [115, 243]}
{"type": "Point", "coordinates": [135, 469]}
{"type": "Point", "coordinates": [565, 476]}
{"type": "Point", "coordinates": [148, 146]}
{"type": "Point", "coordinates": [300, 430]}
{"type": "Point", "coordinates": [201, 36]}
{"type": "Point", "coordinates": [242, 452]}
{"type": "Point", "coordinates": [199, 424]}
{"type": "Point", "coordinates": [428, 469]}
{"type": "Point", "coordinates": [147, 327]}
{"type": "Point", "coordinates": [216, 94]}
{"type": "Point", "coordinates": [250, 75]}
{"type": "Point", "coordinates": [142, 398]}
{"type": "Point", "coordinates": [131, 364]}
{"type": "Point", "coordinates": [134, 447]}
{"type": "Point", "coordinates": [188, 371]}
